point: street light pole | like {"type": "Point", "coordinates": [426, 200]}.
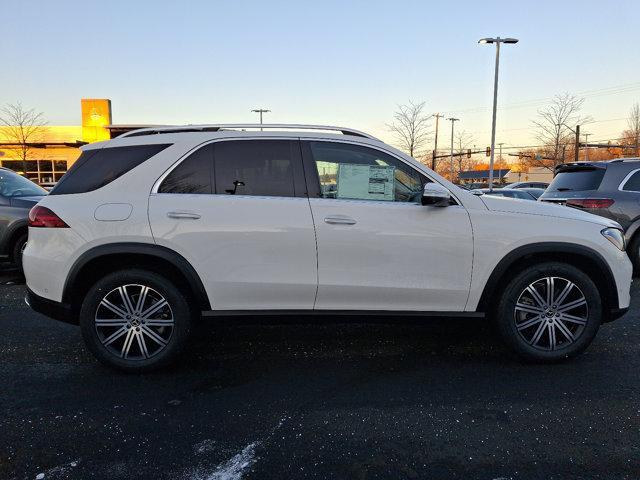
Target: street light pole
{"type": "Point", "coordinates": [260, 111]}
{"type": "Point", "coordinates": [452, 120]}
{"type": "Point", "coordinates": [497, 41]}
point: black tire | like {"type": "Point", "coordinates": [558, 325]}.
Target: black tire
{"type": "Point", "coordinates": [513, 324]}
{"type": "Point", "coordinates": [633, 250]}
{"type": "Point", "coordinates": [16, 250]}
{"type": "Point", "coordinates": [177, 308]}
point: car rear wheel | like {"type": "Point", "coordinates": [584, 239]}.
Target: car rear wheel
{"type": "Point", "coordinates": [549, 312]}
{"type": "Point", "coordinates": [135, 320]}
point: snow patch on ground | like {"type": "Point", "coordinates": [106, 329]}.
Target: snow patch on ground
{"type": "Point", "coordinates": [204, 446]}
{"type": "Point", "coordinates": [57, 472]}
{"type": "Point", "coordinates": [234, 468]}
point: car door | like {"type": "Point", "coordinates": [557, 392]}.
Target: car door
{"type": "Point", "coordinates": [237, 210]}
{"type": "Point", "coordinates": [378, 247]}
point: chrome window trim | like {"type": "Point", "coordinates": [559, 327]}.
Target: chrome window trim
{"type": "Point", "coordinates": [158, 182]}
{"type": "Point", "coordinates": [350, 141]}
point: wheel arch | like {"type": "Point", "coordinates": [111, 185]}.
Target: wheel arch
{"type": "Point", "coordinates": [103, 259]}
{"type": "Point", "coordinates": [14, 231]}
{"type": "Point", "coordinates": [581, 257]}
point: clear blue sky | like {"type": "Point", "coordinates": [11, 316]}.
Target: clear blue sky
{"type": "Point", "coordinates": [335, 62]}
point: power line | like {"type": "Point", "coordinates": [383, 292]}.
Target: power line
{"type": "Point", "coordinates": [536, 102]}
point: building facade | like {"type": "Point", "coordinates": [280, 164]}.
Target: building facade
{"type": "Point", "coordinates": [52, 149]}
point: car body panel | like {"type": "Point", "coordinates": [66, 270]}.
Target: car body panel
{"type": "Point", "coordinates": [397, 256]}
{"type": "Point", "coordinates": [251, 252]}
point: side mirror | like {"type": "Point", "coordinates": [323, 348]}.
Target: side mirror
{"type": "Point", "coordinates": [435, 195]}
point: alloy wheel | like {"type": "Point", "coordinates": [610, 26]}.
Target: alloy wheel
{"type": "Point", "coordinates": [134, 322]}
{"type": "Point", "coordinates": [551, 313]}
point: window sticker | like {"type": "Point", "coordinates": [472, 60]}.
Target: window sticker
{"type": "Point", "coordinates": [366, 182]}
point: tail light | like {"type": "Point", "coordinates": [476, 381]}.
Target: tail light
{"type": "Point", "coordinates": [590, 202]}
{"type": "Point", "coordinates": [42, 217]}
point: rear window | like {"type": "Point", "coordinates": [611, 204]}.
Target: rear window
{"type": "Point", "coordinates": [97, 168]}
{"type": "Point", "coordinates": [577, 180]}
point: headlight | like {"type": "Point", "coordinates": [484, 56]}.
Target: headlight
{"type": "Point", "coordinates": [615, 236]}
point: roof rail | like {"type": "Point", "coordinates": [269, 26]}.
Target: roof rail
{"type": "Point", "coordinates": [234, 126]}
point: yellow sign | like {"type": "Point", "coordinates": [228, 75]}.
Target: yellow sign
{"type": "Point", "coordinates": [96, 115]}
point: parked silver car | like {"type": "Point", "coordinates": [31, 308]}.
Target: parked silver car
{"type": "Point", "coordinates": [17, 196]}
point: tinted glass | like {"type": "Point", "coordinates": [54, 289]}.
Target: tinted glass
{"type": "Point", "coordinates": [192, 175]}
{"type": "Point", "coordinates": [13, 185]}
{"type": "Point", "coordinates": [577, 180]}
{"type": "Point", "coordinates": [535, 192]}
{"type": "Point", "coordinates": [361, 173]}
{"type": "Point", "coordinates": [97, 168]}
{"type": "Point", "coordinates": [633, 184]}
{"type": "Point", "coordinates": [255, 167]}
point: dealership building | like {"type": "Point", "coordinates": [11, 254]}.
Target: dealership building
{"type": "Point", "coordinates": [54, 148]}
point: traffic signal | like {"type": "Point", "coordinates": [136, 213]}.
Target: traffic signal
{"type": "Point", "coordinates": [488, 151]}
{"type": "Point", "coordinates": [468, 153]}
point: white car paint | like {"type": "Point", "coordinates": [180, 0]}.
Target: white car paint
{"type": "Point", "coordinates": [275, 253]}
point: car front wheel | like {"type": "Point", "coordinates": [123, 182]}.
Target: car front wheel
{"type": "Point", "coordinates": [549, 312]}
{"type": "Point", "coordinates": [135, 320]}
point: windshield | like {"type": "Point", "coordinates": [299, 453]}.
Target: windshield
{"type": "Point", "coordinates": [577, 180]}
{"type": "Point", "coordinates": [13, 185]}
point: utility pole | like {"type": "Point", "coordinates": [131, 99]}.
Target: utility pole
{"type": "Point", "coordinates": [452, 120]}
{"type": "Point", "coordinates": [435, 145]}
{"type": "Point", "coordinates": [576, 154]}
{"type": "Point", "coordinates": [586, 146]}
{"type": "Point", "coordinates": [260, 111]}
{"type": "Point", "coordinates": [500, 145]}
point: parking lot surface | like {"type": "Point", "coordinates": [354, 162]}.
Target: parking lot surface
{"type": "Point", "coordinates": [435, 400]}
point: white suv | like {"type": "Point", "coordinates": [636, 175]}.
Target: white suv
{"type": "Point", "coordinates": [150, 232]}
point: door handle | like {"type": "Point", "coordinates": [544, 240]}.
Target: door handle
{"type": "Point", "coordinates": [188, 215]}
{"type": "Point", "coordinates": [340, 220]}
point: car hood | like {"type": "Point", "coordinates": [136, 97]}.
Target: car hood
{"type": "Point", "coordinates": [26, 202]}
{"type": "Point", "coordinates": [511, 205]}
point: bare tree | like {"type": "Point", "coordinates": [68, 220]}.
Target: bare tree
{"type": "Point", "coordinates": [411, 128]}
{"type": "Point", "coordinates": [633, 132]}
{"type": "Point", "coordinates": [22, 128]}
{"type": "Point", "coordinates": [463, 142]}
{"type": "Point", "coordinates": [554, 127]}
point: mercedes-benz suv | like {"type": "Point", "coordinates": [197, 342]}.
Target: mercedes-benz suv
{"type": "Point", "coordinates": [161, 228]}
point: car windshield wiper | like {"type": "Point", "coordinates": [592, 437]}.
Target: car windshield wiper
{"type": "Point", "coordinates": [563, 189]}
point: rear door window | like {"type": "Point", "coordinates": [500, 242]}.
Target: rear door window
{"type": "Point", "coordinates": [193, 175]}
{"type": "Point", "coordinates": [577, 180]}
{"type": "Point", "coordinates": [99, 167]}
{"type": "Point", "coordinates": [256, 167]}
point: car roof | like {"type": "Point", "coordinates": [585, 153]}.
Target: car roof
{"type": "Point", "coordinates": [197, 134]}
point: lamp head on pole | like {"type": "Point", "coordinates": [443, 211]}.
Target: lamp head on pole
{"type": "Point", "coordinates": [483, 41]}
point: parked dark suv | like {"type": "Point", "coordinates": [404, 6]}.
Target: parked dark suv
{"type": "Point", "coordinates": [609, 189]}
{"type": "Point", "coordinates": [17, 196]}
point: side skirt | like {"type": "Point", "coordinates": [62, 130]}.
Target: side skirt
{"type": "Point", "coordinates": [372, 315]}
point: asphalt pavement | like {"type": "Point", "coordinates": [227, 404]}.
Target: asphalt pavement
{"type": "Point", "coordinates": [441, 399]}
